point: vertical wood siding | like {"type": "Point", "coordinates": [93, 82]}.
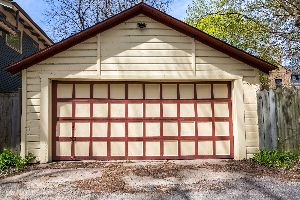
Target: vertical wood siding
{"type": "Point", "coordinates": [157, 51]}
{"type": "Point", "coordinates": [10, 123]}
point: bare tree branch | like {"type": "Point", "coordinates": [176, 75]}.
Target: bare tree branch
{"type": "Point", "coordinates": [66, 17]}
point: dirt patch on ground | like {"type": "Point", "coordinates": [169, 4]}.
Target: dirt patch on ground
{"type": "Point", "coordinates": [54, 165]}
{"type": "Point", "coordinates": [113, 172]}
{"type": "Point", "coordinates": [165, 170]}
{"type": "Point", "coordinates": [112, 179]}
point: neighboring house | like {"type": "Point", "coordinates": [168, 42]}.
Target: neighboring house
{"type": "Point", "coordinates": [20, 37]}
{"type": "Point", "coordinates": [284, 77]}
{"type": "Point", "coordinates": [140, 85]}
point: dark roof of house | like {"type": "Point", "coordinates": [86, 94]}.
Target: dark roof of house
{"type": "Point", "coordinates": [31, 21]}
{"type": "Point", "coordinates": [155, 14]}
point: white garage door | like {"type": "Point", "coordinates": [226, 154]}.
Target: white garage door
{"type": "Point", "coordinates": [136, 120]}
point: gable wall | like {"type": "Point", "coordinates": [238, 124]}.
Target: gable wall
{"type": "Point", "coordinates": [156, 53]}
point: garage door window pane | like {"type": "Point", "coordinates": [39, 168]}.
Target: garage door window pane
{"type": "Point", "coordinates": [186, 91]}
{"type": "Point", "coordinates": [117, 148]}
{"type": "Point", "coordinates": [64, 90]}
{"type": "Point", "coordinates": [64, 129]}
{"type": "Point", "coordinates": [82, 110]}
{"type": "Point", "coordinates": [81, 148]}
{"type": "Point", "coordinates": [203, 91]}
{"type": "Point", "coordinates": [187, 128]}
{"type": "Point", "coordinates": [205, 148]}
{"type": "Point", "coordinates": [152, 129]}
{"type": "Point", "coordinates": [117, 110]}
{"type": "Point", "coordinates": [100, 129]}
{"type": "Point", "coordinates": [220, 91]}
{"type": "Point", "coordinates": [152, 91]}
{"type": "Point", "coordinates": [64, 109]}
{"type": "Point", "coordinates": [152, 110]}
{"type": "Point", "coordinates": [222, 128]}
{"type": "Point", "coordinates": [204, 128]}
{"type": "Point", "coordinates": [221, 110]}
{"type": "Point", "coordinates": [187, 148]}
{"type": "Point", "coordinates": [170, 148]}
{"type": "Point", "coordinates": [135, 148]}
{"type": "Point", "coordinates": [101, 91]}
{"type": "Point", "coordinates": [187, 110]}
{"type": "Point", "coordinates": [82, 129]}
{"type": "Point", "coordinates": [100, 110]}
{"type": "Point", "coordinates": [204, 110]}
{"type": "Point", "coordinates": [117, 91]}
{"type": "Point", "coordinates": [135, 110]}
{"type": "Point", "coordinates": [135, 129]}
{"type": "Point", "coordinates": [223, 147]}
{"type": "Point", "coordinates": [117, 129]}
{"type": "Point", "coordinates": [152, 148]}
{"type": "Point", "coordinates": [99, 148]}
{"type": "Point", "coordinates": [170, 110]}
{"type": "Point", "coordinates": [169, 91]}
{"type": "Point", "coordinates": [135, 91]}
{"type": "Point", "coordinates": [63, 148]}
{"type": "Point", "coordinates": [82, 91]}
{"type": "Point", "coordinates": [170, 129]}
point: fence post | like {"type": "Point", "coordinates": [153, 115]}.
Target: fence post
{"type": "Point", "coordinates": [273, 122]}
{"type": "Point", "coordinates": [267, 119]}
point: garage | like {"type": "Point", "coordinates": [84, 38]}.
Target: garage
{"type": "Point", "coordinates": [113, 121]}
{"type": "Point", "coordinates": [140, 86]}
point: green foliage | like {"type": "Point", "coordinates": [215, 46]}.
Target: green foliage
{"type": "Point", "coordinates": [264, 81]}
{"type": "Point", "coordinates": [266, 29]}
{"type": "Point", "coordinates": [277, 158]}
{"type": "Point", "coordinates": [9, 159]}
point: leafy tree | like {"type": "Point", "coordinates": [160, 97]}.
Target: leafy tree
{"type": "Point", "coordinates": [67, 17]}
{"type": "Point", "coordinates": [266, 28]}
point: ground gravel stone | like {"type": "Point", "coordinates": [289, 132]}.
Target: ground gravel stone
{"type": "Point", "coordinates": [151, 180]}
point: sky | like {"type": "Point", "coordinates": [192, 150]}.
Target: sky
{"type": "Point", "coordinates": [36, 10]}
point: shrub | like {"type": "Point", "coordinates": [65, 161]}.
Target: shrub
{"type": "Point", "coordinates": [9, 159]}
{"type": "Point", "coordinates": [277, 158]}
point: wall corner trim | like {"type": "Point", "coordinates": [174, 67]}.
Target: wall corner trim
{"type": "Point", "coordinates": [44, 122]}
{"type": "Point", "coordinates": [239, 120]}
{"type": "Point", "coordinates": [24, 113]}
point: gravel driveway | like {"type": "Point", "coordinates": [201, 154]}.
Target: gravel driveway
{"type": "Point", "coordinates": [151, 180]}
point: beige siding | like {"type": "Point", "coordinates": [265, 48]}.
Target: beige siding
{"type": "Point", "coordinates": [158, 49]}
{"type": "Point", "coordinates": [208, 59]}
{"type": "Point", "coordinates": [157, 52]}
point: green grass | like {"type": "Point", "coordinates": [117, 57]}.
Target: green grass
{"type": "Point", "coordinates": [9, 159]}
{"type": "Point", "coordinates": [277, 158]}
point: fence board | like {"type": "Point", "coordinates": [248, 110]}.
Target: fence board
{"type": "Point", "coordinates": [10, 120]}
{"type": "Point", "coordinates": [279, 119]}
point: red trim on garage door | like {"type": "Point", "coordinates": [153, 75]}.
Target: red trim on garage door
{"type": "Point", "coordinates": [161, 138]}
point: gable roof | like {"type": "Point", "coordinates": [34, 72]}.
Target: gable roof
{"type": "Point", "coordinates": [48, 40]}
{"type": "Point", "coordinates": [155, 14]}
{"type": "Point", "coordinates": [13, 8]}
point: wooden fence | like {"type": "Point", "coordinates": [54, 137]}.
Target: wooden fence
{"type": "Point", "coordinates": [10, 120]}
{"type": "Point", "coordinates": [279, 118]}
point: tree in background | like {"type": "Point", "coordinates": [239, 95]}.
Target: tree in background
{"type": "Point", "coordinates": [67, 17]}
{"type": "Point", "coordinates": [266, 28]}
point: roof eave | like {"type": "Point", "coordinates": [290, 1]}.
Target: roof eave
{"type": "Point", "coordinates": [156, 15]}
